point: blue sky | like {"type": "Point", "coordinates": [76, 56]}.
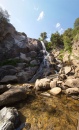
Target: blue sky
{"type": "Point", "coordinates": [36, 16]}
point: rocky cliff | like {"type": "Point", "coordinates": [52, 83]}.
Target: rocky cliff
{"type": "Point", "coordinates": [20, 56]}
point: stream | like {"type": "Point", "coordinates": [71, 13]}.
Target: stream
{"type": "Point", "coordinates": [49, 113]}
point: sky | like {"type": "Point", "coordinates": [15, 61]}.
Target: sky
{"type": "Point", "coordinates": [36, 16]}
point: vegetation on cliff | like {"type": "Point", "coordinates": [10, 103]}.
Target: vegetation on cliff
{"type": "Point", "coordinates": [63, 41]}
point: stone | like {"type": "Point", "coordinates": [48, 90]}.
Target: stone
{"type": "Point", "coordinates": [12, 96]}
{"type": "Point", "coordinates": [67, 69]}
{"type": "Point", "coordinates": [72, 91]}
{"type": "Point", "coordinates": [42, 84]}
{"type": "Point", "coordinates": [72, 83]}
{"type": "Point", "coordinates": [3, 88]}
{"type": "Point", "coordinates": [21, 65]}
{"type": "Point", "coordinates": [9, 119]}
{"type": "Point", "coordinates": [62, 77]}
{"type": "Point", "coordinates": [9, 79]}
{"type": "Point", "coordinates": [46, 94]}
{"type": "Point", "coordinates": [32, 54]}
{"type": "Point", "coordinates": [23, 57]}
{"type": "Point", "coordinates": [34, 62]}
{"type": "Point", "coordinates": [55, 91]}
{"type": "Point", "coordinates": [53, 84]}
{"type": "Point", "coordinates": [26, 75]}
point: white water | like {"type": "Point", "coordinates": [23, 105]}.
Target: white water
{"type": "Point", "coordinates": [45, 64]}
{"type": "Point", "coordinates": [47, 58]}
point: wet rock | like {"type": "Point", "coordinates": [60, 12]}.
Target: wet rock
{"type": "Point", "coordinates": [42, 84]}
{"type": "Point", "coordinates": [55, 91]}
{"type": "Point", "coordinates": [12, 95]}
{"type": "Point", "coordinates": [9, 79]}
{"type": "Point", "coordinates": [72, 91]}
{"type": "Point", "coordinates": [9, 119]}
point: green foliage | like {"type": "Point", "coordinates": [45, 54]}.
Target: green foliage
{"type": "Point", "coordinates": [76, 38]}
{"type": "Point", "coordinates": [60, 57]}
{"type": "Point", "coordinates": [76, 23]}
{"type": "Point", "coordinates": [69, 33]}
{"type": "Point", "coordinates": [10, 62]}
{"type": "Point", "coordinates": [4, 16]}
{"type": "Point", "coordinates": [56, 40]}
{"type": "Point", "coordinates": [48, 46]}
{"type": "Point", "coordinates": [75, 31]}
{"type": "Point", "coordinates": [67, 44]}
{"type": "Point", "coordinates": [43, 36]}
{"type": "Point", "coordinates": [67, 39]}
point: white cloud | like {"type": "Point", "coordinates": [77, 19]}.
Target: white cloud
{"type": "Point", "coordinates": [41, 16]}
{"type": "Point", "coordinates": [58, 25]}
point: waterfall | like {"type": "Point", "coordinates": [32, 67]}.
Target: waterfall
{"type": "Point", "coordinates": [47, 58]}
{"type": "Point", "coordinates": [45, 63]}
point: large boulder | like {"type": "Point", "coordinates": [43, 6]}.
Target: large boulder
{"type": "Point", "coordinates": [9, 79]}
{"type": "Point", "coordinates": [3, 88]}
{"type": "Point", "coordinates": [12, 95]}
{"type": "Point", "coordinates": [9, 119]}
{"type": "Point", "coordinates": [55, 91]}
{"type": "Point", "coordinates": [72, 83]}
{"type": "Point", "coordinates": [26, 74]}
{"type": "Point", "coordinates": [42, 84]}
{"type": "Point", "coordinates": [72, 91]}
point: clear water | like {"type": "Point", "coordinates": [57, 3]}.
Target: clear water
{"type": "Point", "coordinates": [50, 113]}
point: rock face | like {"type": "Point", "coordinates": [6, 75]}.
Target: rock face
{"type": "Point", "coordinates": [9, 119]}
{"type": "Point", "coordinates": [20, 56]}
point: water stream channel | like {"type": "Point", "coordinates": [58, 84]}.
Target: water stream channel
{"type": "Point", "coordinates": [49, 113]}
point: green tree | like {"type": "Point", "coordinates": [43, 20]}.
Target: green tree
{"type": "Point", "coordinates": [56, 40]}
{"type": "Point", "coordinates": [4, 16]}
{"type": "Point", "coordinates": [43, 36]}
{"type": "Point", "coordinates": [67, 44]}
{"type": "Point", "coordinates": [76, 23]}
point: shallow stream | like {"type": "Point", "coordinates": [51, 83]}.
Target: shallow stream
{"type": "Point", "coordinates": [49, 113]}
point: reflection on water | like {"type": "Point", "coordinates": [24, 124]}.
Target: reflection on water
{"type": "Point", "coordinates": [50, 113]}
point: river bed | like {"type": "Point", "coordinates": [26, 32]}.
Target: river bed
{"type": "Point", "coordinates": [49, 113]}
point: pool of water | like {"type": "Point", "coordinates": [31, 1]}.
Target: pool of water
{"type": "Point", "coordinates": [49, 113]}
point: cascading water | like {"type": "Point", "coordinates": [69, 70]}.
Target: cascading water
{"type": "Point", "coordinates": [47, 58]}
{"type": "Point", "coordinates": [45, 64]}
